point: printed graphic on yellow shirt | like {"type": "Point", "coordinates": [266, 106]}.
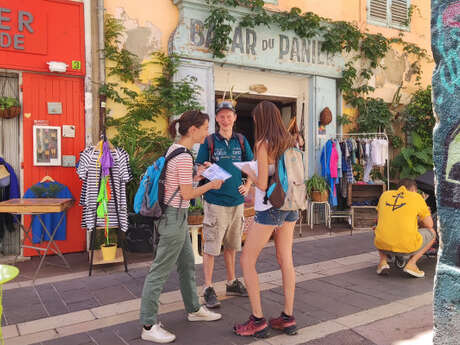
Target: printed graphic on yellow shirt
{"type": "Point", "coordinates": [395, 206]}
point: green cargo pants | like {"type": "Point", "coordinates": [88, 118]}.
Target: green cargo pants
{"type": "Point", "coordinates": [174, 247]}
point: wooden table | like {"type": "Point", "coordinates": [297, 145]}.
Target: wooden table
{"type": "Point", "coordinates": [35, 208]}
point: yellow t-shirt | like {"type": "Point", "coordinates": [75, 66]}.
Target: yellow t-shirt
{"type": "Point", "coordinates": [397, 229]}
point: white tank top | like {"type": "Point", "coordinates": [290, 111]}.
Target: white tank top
{"type": "Point", "coordinates": [260, 195]}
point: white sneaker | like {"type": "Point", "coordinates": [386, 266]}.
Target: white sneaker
{"type": "Point", "coordinates": [157, 334]}
{"type": "Point", "coordinates": [203, 314]}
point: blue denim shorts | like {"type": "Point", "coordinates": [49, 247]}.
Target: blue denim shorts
{"type": "Point", "coordinates": [274, 216]}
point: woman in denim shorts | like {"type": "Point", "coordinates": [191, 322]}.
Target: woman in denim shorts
{"type": "Point", "coordinates": [272, 139]}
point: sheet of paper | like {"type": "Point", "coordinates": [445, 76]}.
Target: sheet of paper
{"type": "Point", "coordinates": [215, 172]}
{"type": "Point", "coordinates": [252, 165]}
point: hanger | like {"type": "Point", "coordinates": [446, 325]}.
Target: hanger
{"type": "Point", "coordinates": [47, 179]}
{"type": "Point", "coordinates": [99, 144]}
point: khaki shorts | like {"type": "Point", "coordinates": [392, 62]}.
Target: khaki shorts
{"type": "Point", "coordinates": [222, 225]}
{"type": "Point", "coordinates": [427, 237]}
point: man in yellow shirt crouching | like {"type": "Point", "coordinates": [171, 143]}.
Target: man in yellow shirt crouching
{"type": "Point", "coordinates": [397, 232]}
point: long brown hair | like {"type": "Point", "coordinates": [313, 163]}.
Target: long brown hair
{"type": "Point", "coordinates": [269, 127]}
{"type": "Point", "coordinates": [188, 119]}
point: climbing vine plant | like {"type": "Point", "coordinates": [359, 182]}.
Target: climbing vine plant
{"type": "Point", "coordinates": [337, 37]}
{"type": "Point", "coordinates": [163, 96]}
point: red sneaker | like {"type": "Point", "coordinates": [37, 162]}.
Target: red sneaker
{"type": "Point", "coordinates": [284, 323]}
{"type": "Point", "coordinates": [258, 329]}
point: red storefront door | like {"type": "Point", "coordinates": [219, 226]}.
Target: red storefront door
{"type": "Point", "coordinates": [38, 90]}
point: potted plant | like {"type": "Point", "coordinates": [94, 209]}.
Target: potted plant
{"type": "Point", "coordinates": [195, 212]}
{"type": "Point", "coordinates": [9, 107]}
{"type": "Point", "coordinates": [317, 188]}
{"type": "Point", "coordinates": [108, 249]}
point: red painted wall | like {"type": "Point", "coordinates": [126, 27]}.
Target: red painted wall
{"type": "Point", "coordinates": [39, 89]}
{"type": "Point", "coordinates": [33, 32]}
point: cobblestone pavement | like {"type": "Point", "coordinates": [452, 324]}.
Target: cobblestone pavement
{"type": "Point", "coordinates": [339, 300]}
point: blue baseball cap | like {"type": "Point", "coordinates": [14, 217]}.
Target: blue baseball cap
{"type": "Point", "coordinates": [225, 105]}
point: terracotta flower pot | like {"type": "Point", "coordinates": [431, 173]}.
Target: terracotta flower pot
{"type": "Point", "coordinates": [195, 219]}
{"type": "Point", "coordinates": [109, 251]}
{"type": "Point", "coordinates": [319, 196]}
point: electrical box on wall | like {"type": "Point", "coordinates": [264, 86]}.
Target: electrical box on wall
{"type": "Point", "coordinates": [68, 161]}
{"type": "Point", "coordinates": [54, 108]}
{"type": "Point", "coordinates": [68, 131]}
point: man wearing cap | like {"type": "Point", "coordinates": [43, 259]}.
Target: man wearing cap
{"type": "Point", "coordinates": [224, 208]}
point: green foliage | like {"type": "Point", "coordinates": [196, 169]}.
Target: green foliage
{"type": "Point", "coordinates": [374, 116]}
{"type": "Point", "coordinates": [419, 121]}
{"type": "Point", "coordinates": [316, 183]}
{"type": "Point", "coordinates": [415, 159]}
{"type": "Point", "coordinates": [343, 120]}
{"type": "Point", "coordinates": [338, 37]}
{"type": "Point", "coordinates": [8, 102]}
{"type": "Point", "coordinates": [418, 116]}
{"type": "Point", "coordinates": [162, 97]}
{"type": "Point", "coordinates": [126, 64]}
{"type": "Point", "coordinates": [196, 207]}
{"type": "Point", "coordinates": [143, 145]}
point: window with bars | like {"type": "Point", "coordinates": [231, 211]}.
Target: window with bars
{"type": "Point", "coordinates": [391, 13]}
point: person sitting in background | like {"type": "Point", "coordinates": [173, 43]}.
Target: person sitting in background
{"type": "Point", "coordinates": [397, 230]}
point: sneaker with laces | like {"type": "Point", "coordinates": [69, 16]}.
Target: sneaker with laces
{"type": "Point", "coordinates": [252, 328]}
{"type": "Point", "coordinates": [414, 271]}
{"type": "Point", "coordinates": [383, 268]}
{"type": "Point", "coordinates": [284, 323]}
{"type": "Point", "coordinates": [157, 334]}
{"type": "Point", "coordinates": [237, 288]}
{"type": "Point", "coordinates": [203, 314]}
{"type": "Point", "coordinates": [210, 298]}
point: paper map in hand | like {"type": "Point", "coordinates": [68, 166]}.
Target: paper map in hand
{"type": "Point", "coordinates": [215, 172]}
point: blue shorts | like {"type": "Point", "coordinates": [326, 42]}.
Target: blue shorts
{"type": "Point", "coordinates": [274, 216]}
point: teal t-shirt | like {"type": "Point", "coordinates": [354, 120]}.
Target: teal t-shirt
{"type": "Point", "coordinates": [225, 153]}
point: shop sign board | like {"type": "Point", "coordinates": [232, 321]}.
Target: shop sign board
{"type": "Point", "coordinates": [261, 47]}
{"type": "Point", "coordinates": [35, 32]}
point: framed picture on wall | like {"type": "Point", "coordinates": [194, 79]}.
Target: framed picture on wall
{"type": "Point", "coordinates": [47, 145]}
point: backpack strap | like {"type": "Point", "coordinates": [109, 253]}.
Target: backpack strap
{"type": "Point", "coordinates": [243, 147]}
{"type": "Point", "coordinates": [210, 140]}
{"type": "Point", "coordinates": [175, 153]}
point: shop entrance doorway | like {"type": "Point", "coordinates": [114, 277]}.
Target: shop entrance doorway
{"type": "Point", "coordinates": [246, 104]}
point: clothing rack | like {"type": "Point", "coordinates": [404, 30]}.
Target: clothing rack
{"type": "Point", "coordinates": [120, 241]}
{"type": "Point", "coordinates": [376, 135]}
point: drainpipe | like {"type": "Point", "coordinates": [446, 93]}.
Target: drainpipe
{"type": "Point", "coordinates": [89, 70]}
{"type": "Point", "coordinates": [102, 98]}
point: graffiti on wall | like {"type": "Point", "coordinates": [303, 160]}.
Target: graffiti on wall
{"type": "Point", "coordinates": [450, 183]}
{"type": "Point", "coordinates": [447, 44]}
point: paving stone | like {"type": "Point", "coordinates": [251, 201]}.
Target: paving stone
{"type": "Point", "coordinates": [18, 297]}
{"type": "Point", "coordinates": [73, 296]}
{"type": "Point", "coordinates": [88, 303]}
{"type": "Point", "coordinates": [347, 337]}
{"type": "Point", "coordinates": [408, 325]}
{"type": "Point", "coordinates": [78, 339]}
{"type": "Point", "coordinates": [102, 282]}
{"type": "Point", "coordinates": [135, 287]}
{"type": "Point", "coordinates": [138, 273]}
{"type": "Point", "coordinates": [24, 313]}
{"type": "Point", "coordinates": [128, 331]}
{"type": "Point", "coordinates": [113, 294]}
{"type": "Point", "coordinates": [74, 284]}
{"type": "Point", "coordinates": [105, 337]}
